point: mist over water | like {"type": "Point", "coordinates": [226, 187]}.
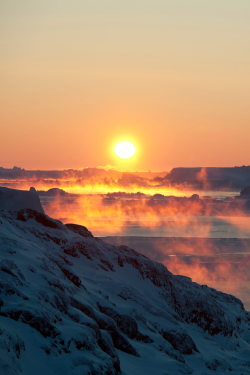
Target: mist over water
{"type": "Point", "coordinates": [131, 218]}
{"type": "Point", "coordinates": [202, 234]}
{"type": "Point", "coordinates": [196, 226]}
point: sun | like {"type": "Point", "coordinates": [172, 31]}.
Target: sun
{"type": "Point", "coordinates": [124, 150]}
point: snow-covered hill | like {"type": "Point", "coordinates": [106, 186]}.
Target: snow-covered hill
{"type": "Point", "coordinates": [72, 304]}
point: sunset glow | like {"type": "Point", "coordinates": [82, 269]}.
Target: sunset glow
{"type": "Point", "coordinates": [174, 86]}
{"type": "Point", "coordinates": [125, 150]}
{"type": "Point", "coordinates": [124, 184]}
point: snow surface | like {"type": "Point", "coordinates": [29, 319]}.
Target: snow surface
{"type": "Point", "coordinates": [71, 304]}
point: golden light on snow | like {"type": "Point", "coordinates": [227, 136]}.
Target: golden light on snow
{"type": "Point", "coordinates": [125, 150]}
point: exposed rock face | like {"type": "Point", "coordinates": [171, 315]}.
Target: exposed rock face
{"type": "Point", "coordinates": [71, 304]}
{"type": "Point", "coordinates": [214, 177]}
{"type": "Point", "coordinates": [41, 218]}
{"type": "Point", "coordinates": [80, 229]}
{"type": "Point", "coordinates": [126, 324]}
{"type": "Point", "coordinates": [180, 340]}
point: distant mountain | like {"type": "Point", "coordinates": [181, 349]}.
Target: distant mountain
{"type": "Point", "coordinates": [202, 178]}
{"type": "Point", "coordinates": [16, 172]}
{"type": "Point", "coordinates": [54, 192]}
{"type": "Point", "coordinates": [71, 304]}
{"type": "Point", "coordinates": [236, 177]}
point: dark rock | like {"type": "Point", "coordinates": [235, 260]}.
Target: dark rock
{"type": "Point", "coordinates": [18, 347]}
{"type": "Point", "coordinates": [44, 327]}
{"type": "Point", "coordinates": [80, 229]}
{"type": "Point", "coordinates": [12, 314]}
{"type": "Point", "coordinates": [180, 341]}
{"type": "Point", "coordinates": [172, 353]}
{"type": "Point", "coordinates": [6, 270]}
{"type": "Point", "coordinates": [65, 259]}
{"type": "Point", "coordinates": [39, 323]}
{"type": "Point", "coordinates": [72, 251]}
{"type": "Point", "coordinates": [8, 266]}
{"type": "Point", "coordinates": [106, 344]}
{"type": "Point", "coordinates": [120, 342]}
{"type": "Point", "coordinates": [73, 278]}
{"type": "Point", "coordinates": [210, 319]}
{"type": "Point", "coordinates": [218, 365]}
{"type": "Point", "coordinates": [85, 309]}
{"type": "Point", "coordinates": [43, 219]}
{"type": "Point", "coordinates": [85, 340]}
{"type": "Point", "coordinates": [108, 264]}
{"type": "Point", "coordinates": [69, 274]}
{"type": "Point", "coordinates": [82, 248]}
{"type": "Point", "coordinates": [126, 324]}
{"type": "Point", "coordinates": [61, 304]}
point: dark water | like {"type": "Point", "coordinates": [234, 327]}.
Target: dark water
{"type": "Point", "coordinates": [194, 226]}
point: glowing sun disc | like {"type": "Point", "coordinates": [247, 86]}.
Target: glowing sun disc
{"type": "Point", "coordinates": [125, 150]}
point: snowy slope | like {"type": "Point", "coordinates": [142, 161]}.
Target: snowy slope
{"type": "Point", "coordinates": [71, 304]}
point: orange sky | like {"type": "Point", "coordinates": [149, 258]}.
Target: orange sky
{"type": "Point", "coordinates": [172, 76]}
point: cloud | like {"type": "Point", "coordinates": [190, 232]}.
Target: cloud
{"type": "Point", "coordinates": [108, 167]}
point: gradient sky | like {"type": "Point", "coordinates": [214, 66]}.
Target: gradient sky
{"type": "Point", "coordinates": [78, 76]}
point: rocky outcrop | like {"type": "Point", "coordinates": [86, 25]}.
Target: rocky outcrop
{"type": "Point", "coordinates": [180, 340]}
{"type": "Point", "coordinates": [80, 229]}
{"type": "Point", "coordinates": [27, 214]}
{"type": "Point", "coordinates": [126, 324]}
